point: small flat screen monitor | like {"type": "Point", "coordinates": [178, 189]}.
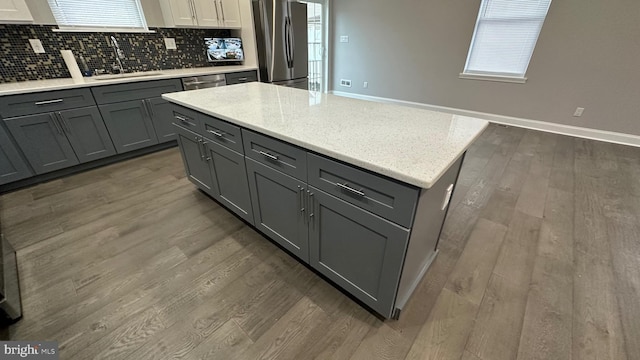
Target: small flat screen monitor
{"type": "Point", "coordinates": [224, 49]}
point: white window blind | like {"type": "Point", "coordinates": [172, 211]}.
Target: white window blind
{"type": "Point", "coordinates": [113, 15]}
{"type": "Point", "coordinates": [505, 36]}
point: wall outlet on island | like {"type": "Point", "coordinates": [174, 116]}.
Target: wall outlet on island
{"type": "Point", "coordinates": [345, 82]}
{"type": "Point", "coordinates": [578, 112]}
{"type": "Point", "coordinates": [344, 38]}
{"type": "Point", "coordinates": [365, 84]}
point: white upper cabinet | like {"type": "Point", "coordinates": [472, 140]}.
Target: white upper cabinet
{"type": "Point", "coordinates": [180, 12]}
{"type": "Point", "coordinates": [230, 12]}
{"type": "Point", "coordinates": [14, 11]}
{"type": "Point", "coordinates": [201, 13]}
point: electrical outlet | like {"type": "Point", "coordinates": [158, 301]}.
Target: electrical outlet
{"type": "Point", "coordinates": [578, 112]}
{"type": "Point", "coordinates": [345, 82]}
{"type": "Point", "coordinates": [365, 84]}
{"type": "Point", "coordinates": [36, 45]}
{"type": "Point", "coordinates": [344, 38]}
{"type": "Point", "coordinates": [170, 43]}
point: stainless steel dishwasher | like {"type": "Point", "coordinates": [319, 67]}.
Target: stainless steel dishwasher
{"type": "Point", "coordinates": [205, 81]}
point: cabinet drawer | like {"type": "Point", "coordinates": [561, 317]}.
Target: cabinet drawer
{"type": "Point", "coordinates": [389, 199]}
{"type": "Point", "coordinates": [287, 158]}
{"type": "Point", "coordinates": [186, 118]}
{"type": "Point", "coordinates": [36, 103]}
{"type": "Point", "coordinates": [134, 91]}
{"type": "Point", "coordinates": [222, 133]}
{"type": "Point", "coordinates": [241, 77]}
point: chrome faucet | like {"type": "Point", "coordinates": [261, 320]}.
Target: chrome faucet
{"type": "Point", "coordinates": [119, 54]}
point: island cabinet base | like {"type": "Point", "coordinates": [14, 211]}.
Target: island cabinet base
{"type": "Point", "coordinates": [371, 235]}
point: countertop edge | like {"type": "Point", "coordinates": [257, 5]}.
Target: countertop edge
{"type": "Point", "coordinates": [420, 183]}
{"type": "Point", "coordinates": [92, 82]}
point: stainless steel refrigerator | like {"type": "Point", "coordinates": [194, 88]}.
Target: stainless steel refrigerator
{"type": "Point", "coordinates": [281, 34]}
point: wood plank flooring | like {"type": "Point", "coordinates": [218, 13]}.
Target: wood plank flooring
{"type": "Point", "coordinates": [539, 259]}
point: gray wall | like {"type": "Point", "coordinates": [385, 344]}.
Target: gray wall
{"type": "Point", "coordinates": [587, 55]}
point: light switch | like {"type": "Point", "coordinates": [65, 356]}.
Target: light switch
{"type": "Point", "coordinates": [170, 43]}
{"type": "Point", "coordinates": [36, 45]}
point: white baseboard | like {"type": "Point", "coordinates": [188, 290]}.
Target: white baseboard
{"type": "Point", "coordinates": [587, 133]}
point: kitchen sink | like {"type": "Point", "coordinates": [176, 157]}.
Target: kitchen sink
{"type": "Point", "coordinates": [127, 75]}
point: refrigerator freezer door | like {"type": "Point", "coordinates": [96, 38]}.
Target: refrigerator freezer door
{"type": "Point", "coordinates": [271, 26]}
{"type": "Point", "coordinates": [299, 40]}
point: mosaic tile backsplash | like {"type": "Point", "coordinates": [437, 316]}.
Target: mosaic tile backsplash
{"type": "Point", "coordinates": [143, 51]}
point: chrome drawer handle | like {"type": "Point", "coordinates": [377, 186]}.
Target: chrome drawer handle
{"type": "Point", "coordinates": [272, 157]}
{"type": "Point", "coordinates": [243, 79]}
{"type": "Point", "coordinates": [346, 186]}
{"type": "Point", "coordinates": [216, 133]}
{"type": "Point", "coordinates": [184, 121]}
{"type": "Point", "coordinates": [46, 102]}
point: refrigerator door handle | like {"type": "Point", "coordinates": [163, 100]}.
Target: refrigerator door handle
{"type": "Point", "coordinates": [292, 44]}
{"type": "Point", "coordinates": [286, 41]}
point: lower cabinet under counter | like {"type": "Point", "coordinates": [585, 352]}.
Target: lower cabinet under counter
{"type": "Point", "coordinates": [345, 234]}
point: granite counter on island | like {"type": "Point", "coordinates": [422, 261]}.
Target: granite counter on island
{"type": "Point", "coordinates": [358, 190]}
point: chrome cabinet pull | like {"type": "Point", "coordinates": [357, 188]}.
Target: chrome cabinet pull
{"type": "Point", "coordinates": [266, 154]}
{"type": "Point", "coordinates": [346, 186]}
{"type": "Point", "coordinates": [216, 133]}
{"type": "Point", "coordinates": [311, 209]}
{"type": "Point", "coordinates": [192, 8]}
{"type": "Point", "coordinates": [55, 123]}
{"type": "Point", "coordinates": [243, 79]}
{"type": "Point", "coordinates": [216, 6]}
{"type": "Point", "coordinates": [222, 9]}
{"type": "Point", "coordinates": [184, 121]}
{"type": "Point", "coordinates": [150, 108]}
{"type": "Point", "coordinates": [146, 110]}
{"type": "Point", "coordinates": [47, 102]}
{"type": "Point", "coordinates": [63, 122]}
{"type": "Point", "coordinates": [200, 148]}
{"type": "Point", "coordinates": [206, 151]}
{"type": "Point", "coordinates": [301, 200]}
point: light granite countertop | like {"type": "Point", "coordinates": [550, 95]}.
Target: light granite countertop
{"type": "Point", "coordinates": [411, 145]}
{"type": "Point", "coordinates": [23, 87]}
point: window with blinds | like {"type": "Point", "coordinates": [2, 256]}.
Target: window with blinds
{"type": "Point", "coordinates": [504, 38]}
{"type": "Point", "coordinates": [99, 15]}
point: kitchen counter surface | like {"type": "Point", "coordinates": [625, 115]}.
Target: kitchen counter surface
{"type": "Point", "coordinates": [69, 83]}
{"type": "Point", "coordinates": [407, 144]}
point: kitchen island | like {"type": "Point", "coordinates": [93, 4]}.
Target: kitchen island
{"type": "Point", "coordinates": [357, 190]}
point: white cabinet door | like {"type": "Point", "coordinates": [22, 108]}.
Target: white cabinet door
{"type": "Point", "coordinates": [182, 12]}
{"type": "Point", "coordinates": [14, 11]}
{"type": "Point", "coordinates": [230, 10]}
{"type": "Point", "coordinates": [207, 13]}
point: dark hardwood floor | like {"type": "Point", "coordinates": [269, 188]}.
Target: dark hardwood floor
{"type": "Point", "coordinates": [539, 259]}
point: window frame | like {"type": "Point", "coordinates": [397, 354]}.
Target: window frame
{"type": "Point", "coordinates": [499, 76]}
{"type": "Point", "coordinates": [78, 28]}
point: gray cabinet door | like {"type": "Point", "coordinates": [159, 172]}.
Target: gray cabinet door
{"type": "Point", "coordinates": [12, 166]}
{"type": "Point", "coordinates": [42, 140]}
{"type": "Point", "coordinates": [87, 134]}
{"type": "Point", "coordinates": [194, 159]}
{"type": "Point", "coordinates": [229, 176]}
{"type": "Point", "coordinates": [129, 125]}
{"type": "Point", "coordinates": [162, 116]}
{"type": "Point", "coordinates": [359, 251]}
{"type": "Point", "coordinates": [277, 206]}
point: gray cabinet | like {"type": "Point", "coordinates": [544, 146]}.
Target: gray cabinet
{"type": "Point", "coordinates": [193, 157]}
{"type": "Point", "coordinates": [135, 114]}
{"type": "Point", "coordinates": [12, 166]}
{"type": "Point", "coordinates": [56, 140]}
{"type": "Point", "coordinates": [42, 140]}
{"type": "Point", "coordinates": [87, 133]}
{"type": "Point", "coordinates": [279, 207]}
{"type": "Point", "coordinates": [356, 249]}
{"type": "Point", "coordinates": [229, 178]}
{"type": "Point", "coordinates": [162, 118]}
{"type": "Point", "coordinates": [129, 125]}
